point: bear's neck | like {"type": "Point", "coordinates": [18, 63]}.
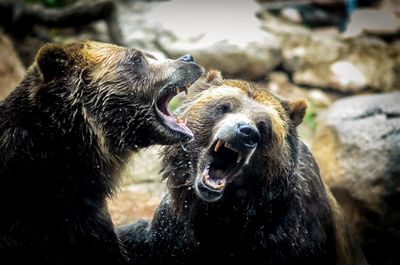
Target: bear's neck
{"type": "Point", "coordinates": [54, 152]}
{"type": "Point", "coordinates": [238, 218]}
{"type": "Point", "coordinates": [242, 202]}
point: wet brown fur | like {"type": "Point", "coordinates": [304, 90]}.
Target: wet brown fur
{"type": "Point", "coordinates": [277, 211]}
{"type": "Point", "coordinates": [66, 132]}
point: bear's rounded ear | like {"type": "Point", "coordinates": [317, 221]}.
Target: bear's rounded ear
{"type": "Point", "coordinates": [297, 111]}
{"type": "Point", "coordinates": [214, 77]}
{"type": "Point", "coordinates": [51, 61]}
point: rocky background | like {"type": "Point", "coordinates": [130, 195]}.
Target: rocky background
{"type": "Point", "coordinates": [341, 55]}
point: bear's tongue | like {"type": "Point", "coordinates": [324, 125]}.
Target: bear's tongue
{"type": "Point", "coordinates": [214, 178]}
{"type": "Point", "coordinates": [178, 124]}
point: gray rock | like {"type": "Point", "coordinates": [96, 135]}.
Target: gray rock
{"type": "Point", "coordinates": [279, 83]}
{"type": "Point", "coordinates": [330, 60]}
{"type": "Point", "coordinates": [395, 54]}
{"type": "Point", "coordinates": [357, 146]}
{"type": "Point", "coordinates": [242, 45]}
{"type": "Point", "coordinates": [229, 41]}
{"type": "Point", "coordinates": [135, 28]}
{"type": "Point", "coordinates": [372, 21]}
{"type": "Point", "coordinates": [348, 65]}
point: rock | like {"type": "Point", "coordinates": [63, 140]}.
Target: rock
{"type": "Point", "coordinates": [348, 65]}
{"type": "Point", "coordinates": [11, 69]}
{"type": "Point", "coordinates": [395, 54]}
{"type": "Point", "coordinates": [315, 58]}
{"type": "Point", "coordinates": [357, 146]}
{"type": "Point", "coordinates": [319, 98]}
{"type": "Point", "coordinates": [328, 60]}
{"type": "Point", "coordinates": [291, 14]}
{"type": "Point", "coordinates": [347, 74]}
{"type": "Point", "coordinates": [279, 83]}
{"type": "Point", "coordinates": [137, 31]}
{"type": "Point", "coordinates": [230, 41]}
{"type": "Point", "coordinates": [372, 21]}
{"type": "Point", "coordinates": [280, 27]}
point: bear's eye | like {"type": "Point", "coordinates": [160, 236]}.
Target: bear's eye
{"type": "Point", "coordinates": [223, 109]}
{"type": "Point", "coordinates": [138, 60]}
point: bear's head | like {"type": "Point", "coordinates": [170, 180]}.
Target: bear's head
{"type": "Point", "coordinates": [120, 93]}
{"type": "Point", "coordinates": [244, 135]}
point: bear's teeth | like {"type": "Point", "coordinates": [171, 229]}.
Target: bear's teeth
{"type": "Point", "coordinates": [178, 119]}
{"type": "Point", "coordinates": [230, 147]}
{"type": "Point", "coordinates": [218, 145]}
{"type": "Point", "coordinates": [177, 90]}
{"type": "Point", "coordinates": [240, 156]}
{"type": "Point", "coordinates": [184, 120]}
{"type": "Point", "coordinates": [186, 90]}
{"type": "Point", "coordinates": [220, 185]}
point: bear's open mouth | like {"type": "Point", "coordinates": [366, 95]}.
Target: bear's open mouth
{"type": "Point", "coordinates": [223, 162]}
{"type": "Point", "coordinates": [161, 107]}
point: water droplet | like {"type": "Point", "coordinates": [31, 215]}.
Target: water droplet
{"type": "Point", "coordinates": [183, 147]}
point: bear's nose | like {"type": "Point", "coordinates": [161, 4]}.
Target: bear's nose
{"type": "Point", "coordinates": [186, 58]}
{"type": "Point", "coordinates": [248, 135]}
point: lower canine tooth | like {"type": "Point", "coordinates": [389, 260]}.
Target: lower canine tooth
{"type": "Point", "coordinates": [240, 156]}
{"type": "Point", "coordinates": [178, 119]}
{"type": "Point", "coordinates": [184, 121]}
{"type": "Point", "coordinates": [220, 185]}
{"type": "Point", "coordinates": [186, 90]}
{"type": "Point", "coordinates": [177, 90]}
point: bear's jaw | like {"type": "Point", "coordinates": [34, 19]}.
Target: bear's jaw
{"type": "Point", "coordinates": [222, 163]}
{"type": "Point", "coordinates": [161, 109]}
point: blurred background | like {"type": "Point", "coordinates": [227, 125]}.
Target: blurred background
{"type": "Point", "coordinates": [343, 56]}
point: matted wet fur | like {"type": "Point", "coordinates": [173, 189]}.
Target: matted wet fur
{"type": "Point", "coordinates": [245, 191]}
{"type": "Point", "coordinates": [65, 133]}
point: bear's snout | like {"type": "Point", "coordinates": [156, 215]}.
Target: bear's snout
{"type": "Point", "coordinates": [239, 131]}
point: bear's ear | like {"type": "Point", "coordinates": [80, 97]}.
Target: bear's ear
{"type": "Point", "coordinates": [214, 77]}
{"type": "Point", "coordinates": [297, 111]}
{"type": "Point", "coordinates": [51, 61]}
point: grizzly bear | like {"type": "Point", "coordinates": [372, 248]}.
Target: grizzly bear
{"type": "Point", "coordinates": [245, 191]}
{"type": "Point", "coordinates": [65, 134]}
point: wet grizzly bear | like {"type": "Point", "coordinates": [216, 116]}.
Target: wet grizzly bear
{"type": "Point", "coordinates": [65, 133]}
{"type": "Point", "coordinates": [245, 191]}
